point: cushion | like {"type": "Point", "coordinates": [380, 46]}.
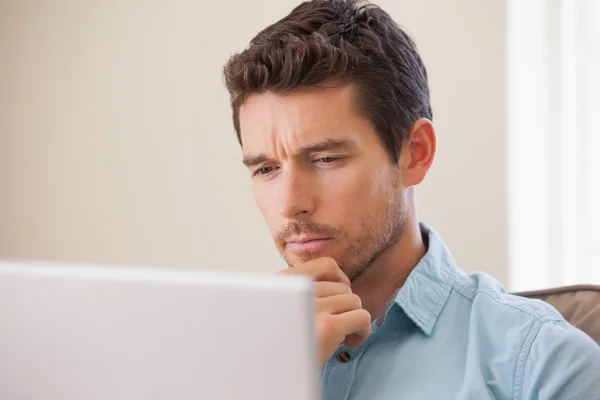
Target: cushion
{"type": "Point", "coordinates": [579, 304]}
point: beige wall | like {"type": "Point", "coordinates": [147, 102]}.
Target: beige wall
{"type": "Point", "coordinates": [116, 143]}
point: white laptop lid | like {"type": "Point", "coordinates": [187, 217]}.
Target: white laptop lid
{"type": "Point", "coordinates": [73, 332]}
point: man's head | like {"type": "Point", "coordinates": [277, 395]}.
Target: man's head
{"type": "Point", "coordinates": [331, 107]}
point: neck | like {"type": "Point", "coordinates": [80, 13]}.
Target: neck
{"type": "Point", "coordinates": [389, 271]}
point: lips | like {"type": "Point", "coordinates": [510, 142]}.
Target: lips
{"type": "Point", "coordinates": [305, 244]}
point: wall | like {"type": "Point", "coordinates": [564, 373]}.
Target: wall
{"type": "Point", "coordinates": [116, 144]}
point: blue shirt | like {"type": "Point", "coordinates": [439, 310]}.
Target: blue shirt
{"type": "Point", "coordinates": [449, 335]}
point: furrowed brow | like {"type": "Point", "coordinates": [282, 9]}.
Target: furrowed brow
{"type": "Point", "coordinates": [251, 160]}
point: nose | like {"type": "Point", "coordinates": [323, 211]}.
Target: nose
{"type": "Point", "coordinates": [296, 198]}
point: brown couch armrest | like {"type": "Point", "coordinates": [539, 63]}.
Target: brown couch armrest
{"type": "Point", "coordinates": [578, 304]}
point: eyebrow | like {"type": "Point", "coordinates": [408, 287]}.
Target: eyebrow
{"type": "Point", "coordinates": [325, 145]}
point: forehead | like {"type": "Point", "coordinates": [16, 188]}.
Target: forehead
{"type": "Point", "coordinates": [299, 118]}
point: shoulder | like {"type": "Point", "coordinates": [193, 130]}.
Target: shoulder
{"type": "Point", "coordinates": [549, 355]}
{"type": "Point", "coordinates": [487, 295]}
{"type": "Point", "coordinates": [561, 361]}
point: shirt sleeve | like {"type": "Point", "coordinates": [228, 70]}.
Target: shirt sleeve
{"type": "Point", "coordinates": [563, 363]}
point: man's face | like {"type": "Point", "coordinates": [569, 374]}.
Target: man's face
{"type": "Point", "coordinates": [321, 177]}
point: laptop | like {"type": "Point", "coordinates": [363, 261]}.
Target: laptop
{"type": "Point", "coordinates": [72, 332]}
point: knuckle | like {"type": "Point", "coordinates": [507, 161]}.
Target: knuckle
{"type": "Point", "coordinates": [365, 316]}
{"type": "Point", "coordinates": [345, 288]}
{"type": "Point", "coordinates": [330, 264]}
{"type": "Point", "coordinates": [355, 300]}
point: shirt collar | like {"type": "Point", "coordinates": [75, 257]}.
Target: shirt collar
{"type": "Point", "coordinates": [428, 286]}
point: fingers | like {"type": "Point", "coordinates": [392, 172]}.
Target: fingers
{"type": "Point", "coordinates": [338, 304]}
{"type": "Point", "coordinates": [353, 341]}
{"type": "Point", "coordinates": [355, 325]}
{"type": "Point", "coordinates": [326, 289]}
{"type": "Point", "coordinates": [320, 269]}
{"type": "Point", "coordinates": [352, 327]}
{"type": "Point", "coordinates": [339, 314]}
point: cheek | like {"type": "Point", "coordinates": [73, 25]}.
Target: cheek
{"type": "Point", "coordinates": [359, 186]}
{"type": "Point", "coordinates": [349, 196]}
{"type": "Point", "coordinates": [361, 198]}
{"type": "Point", "coordinates": [268, 208]}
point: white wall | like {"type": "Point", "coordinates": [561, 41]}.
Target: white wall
{"type": "Point", "coordinates": [463, 43]}
{"type": "Point", "coordinates": [116, 143]}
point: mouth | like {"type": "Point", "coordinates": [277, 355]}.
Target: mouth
{"type": "Point", "coordinates": [304, 244]}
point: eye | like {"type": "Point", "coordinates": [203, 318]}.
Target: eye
{"type": "Point", "coordinates": [263, 171]}
{"type": "Point", "coordinates": [327, 160]}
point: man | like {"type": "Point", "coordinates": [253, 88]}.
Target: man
{"type": "Point", "coordinates": [331, 107]}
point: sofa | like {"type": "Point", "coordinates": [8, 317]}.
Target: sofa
{"type": "Point", "coordinates": [579, 304]}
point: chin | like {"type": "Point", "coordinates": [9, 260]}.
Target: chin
{"type": "Point", "coordinates": [295, 259]}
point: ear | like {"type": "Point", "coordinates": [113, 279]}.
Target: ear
{"type": "Point", "coordinates": [418, 152]}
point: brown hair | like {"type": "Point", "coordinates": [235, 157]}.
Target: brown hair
{"type": "Point", "coordinates": [345, 40]}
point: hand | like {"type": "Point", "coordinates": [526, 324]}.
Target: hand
{"type": "Point", "coordinates": [339, 316]}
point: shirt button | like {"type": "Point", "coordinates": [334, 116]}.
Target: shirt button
{"type": "Point", "coordinates": [343, 357]}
